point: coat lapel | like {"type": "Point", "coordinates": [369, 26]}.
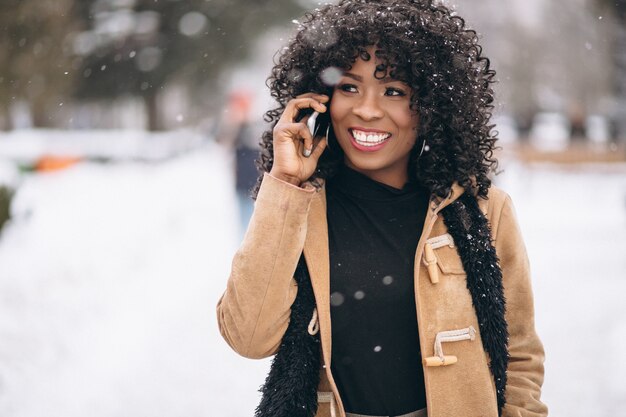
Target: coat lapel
{"type": "Point", "coordinates": [318, 264]}
{"type": "Point", "coordinates": [316, 254]}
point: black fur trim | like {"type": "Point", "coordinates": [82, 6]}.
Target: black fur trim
{"type": "Point", "coordinates": [472, 235]}
{"type": "Point", "coordinates": [290, 389]}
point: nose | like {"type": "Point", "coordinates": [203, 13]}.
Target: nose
{"type": "Point", "coordinates": [368, 108]}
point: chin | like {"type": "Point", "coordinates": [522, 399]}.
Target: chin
{"type": "Point", "coordinates": [368, 163]}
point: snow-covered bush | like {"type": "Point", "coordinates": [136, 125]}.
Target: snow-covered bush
{"type": "Point", "coordinates": [5, 204]}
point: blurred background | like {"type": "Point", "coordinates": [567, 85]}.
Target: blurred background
{"type": "Point", "coordinates": [128, 131]}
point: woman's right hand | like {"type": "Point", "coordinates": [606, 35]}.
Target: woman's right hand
{"type": "Point", "coordinates": [291, 138]}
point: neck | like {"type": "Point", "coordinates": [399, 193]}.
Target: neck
{"type": "Point", "coordinates": [396, 178]}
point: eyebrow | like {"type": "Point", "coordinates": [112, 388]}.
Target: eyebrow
{"type": "Point", "coordinates": [360, 79]}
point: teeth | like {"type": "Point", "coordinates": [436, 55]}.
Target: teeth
{"type": "Point", "coordinates": [369, 139]}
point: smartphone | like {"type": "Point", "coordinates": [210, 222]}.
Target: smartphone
{"type": "Point", "coordinates": [311, 123]}
{"type": "Point", "coordinates": [318, 123]}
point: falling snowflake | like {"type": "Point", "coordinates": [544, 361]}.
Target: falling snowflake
{"type": "Point", "coordinates": [387, 280]}
{"type": "Point", "coordinates": [331, 76]}
{"type": "Point", "coordinates": [336, 299]}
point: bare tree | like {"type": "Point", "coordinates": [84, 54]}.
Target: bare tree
{"type": "Point", "coordinates": [34, 64]}
{"type": "Point", "coordinates": [140, 47]}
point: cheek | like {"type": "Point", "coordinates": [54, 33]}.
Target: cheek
{"type": "Point", "coordinates": [404, 117]}
{"type": "Point", "coordinates": [411, 120]}
{"type": "Point", "coordinates": [337, 110]}
{"type": "Point", "coordinates": [415, 120]}
{"type": "Point", "coordinates": [408, 124]}
{"type": "Point", "coordinates": [415, 124]}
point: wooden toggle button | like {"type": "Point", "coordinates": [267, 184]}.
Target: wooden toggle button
{"type": "Point", "coordinates": [437, 361]}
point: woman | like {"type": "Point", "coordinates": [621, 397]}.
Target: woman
{"type": "Point", "coordinates": [380, 242]}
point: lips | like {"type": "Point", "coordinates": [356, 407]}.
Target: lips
{"type": "Point", "coordinates": [368, 140]}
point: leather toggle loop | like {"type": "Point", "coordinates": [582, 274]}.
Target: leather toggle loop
{"type": "Point", "coordinates": [431, 263]}
{"type": "Point", "coordinates": [314, 324]}
{"type": "Point", "coordinates": [468, 333]}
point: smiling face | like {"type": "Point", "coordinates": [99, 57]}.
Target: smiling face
{"type": "Point", "coordinates": [373, 122]}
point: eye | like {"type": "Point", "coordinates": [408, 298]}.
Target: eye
{"type": "Point", "coordinates": [348, 88]}
{"type": "Point", "coordinates": [395, 92]}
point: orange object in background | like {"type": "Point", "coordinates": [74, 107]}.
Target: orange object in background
{"type": "Point", "coordinates": [49, 163]}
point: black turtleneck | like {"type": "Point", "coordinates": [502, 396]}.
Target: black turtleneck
{"type": "Point", "coordinates": [373, 234]}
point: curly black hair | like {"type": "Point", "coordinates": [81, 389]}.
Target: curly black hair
{"type": "Point", "coordinates": [420, 42]}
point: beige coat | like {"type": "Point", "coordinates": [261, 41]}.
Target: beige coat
{"type": "Point", "coordinates": [253, 313]}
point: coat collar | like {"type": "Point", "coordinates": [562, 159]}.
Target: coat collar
{"type": "Point", "coordinates": [437, 204]}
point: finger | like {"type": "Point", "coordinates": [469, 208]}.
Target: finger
{"type": "Point", "coordinates": [320, 97]}
{"type": "Point", "coordinates": [295, 105]}
{"type": "Point", "coordinates": [318, 150]}
{"type": "Point", "coordinates": [307, 137]}
{"type": "Point", "coordinates": [293, 131]}
{"type": "Point", "coordinates": [296, 133]}
{"type": "Point", "coordinates": [307, 103]}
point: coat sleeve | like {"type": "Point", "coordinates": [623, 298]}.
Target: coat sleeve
{"type": "Point", "coordinates": [253, 313]}
{"type": "Point", "coordinates": [525, 371]}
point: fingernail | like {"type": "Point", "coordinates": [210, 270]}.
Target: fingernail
{"type": "Point", "coordinates": [307, 152]}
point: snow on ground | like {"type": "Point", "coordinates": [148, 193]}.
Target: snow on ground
{"type": "Point", "coordinates": [109, 276]}
{"type": "Point", "coordinates": [26, 144]}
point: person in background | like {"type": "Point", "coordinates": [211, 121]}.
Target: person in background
{"type": "Point", "coordinates": [380, 266]}
{"type": "Point", "coordinates": [239, 134]}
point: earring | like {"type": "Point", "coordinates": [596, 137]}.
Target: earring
{"type": "Point", "coordinates": [327, 141]}
{"type": "Point", "coordinates": [423, 147]}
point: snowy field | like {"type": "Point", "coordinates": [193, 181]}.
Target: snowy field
{"type": "Point", "coordinates": [109, 276]}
